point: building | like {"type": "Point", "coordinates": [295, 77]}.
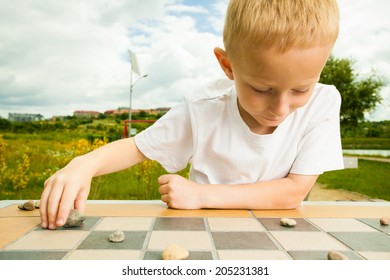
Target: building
{"type": "Point", "coordinates": [125, 110]}
{"type": "Point", "coordinates": [86, 114]}
{"type": "Point", "coordinates": [16, 117]}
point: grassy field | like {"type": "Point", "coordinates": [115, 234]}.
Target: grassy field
{"type": "Point", "coordinates": [27, 160]}
{"type": "Point", "coordinates": [371, 178]}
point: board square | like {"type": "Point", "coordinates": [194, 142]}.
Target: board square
{"type": "Point", "coordinates": [273, 224]}
{"type": "Point", "coordinates": [125, 224]}
{"type": "Point", "coordinates": [310, 241]}
{"type": "Point", "coordinates": [375, 255]}
{"type": "Point", "coordinates": [321, 255]}
{"type": "Point", "coordinates": [341, 225]}
{"type": "Point", "coordinates": [234, 224]}
{"type": "Point", "coordinates": [364, 241]}
{"type": "Point", "coordinates": [253, 255]}
{"type": "Point", "coordinates": [104, 255]}
{"type": "Point", "coordinates": [32, 255]}
{"type": "Point", "coordinates": [376, 224]}
{"type": "Point", "coordinates": [243, 241]}
{"type": "Point", "coordinates": [194, 255]}
{"type": "Point", "coordinates": [190, 224]}
{"type": "Point", "coordinates": [134, 240]}
{"type": "Point", "coordinates": [192, 240]}
{"type": "Point", "coordinates": [87, 225]}
{"type": "Point", "coordinates": [49, 240]}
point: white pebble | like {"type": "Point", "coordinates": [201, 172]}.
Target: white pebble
{"type": "Point", "coordinates": [287, 222]}
{"type": "Point", "coordinates": [334, 255]}
{"type": "Point", "coordinates": [175, 252]}
{"type": "Point", "coordinates": [384, 221]}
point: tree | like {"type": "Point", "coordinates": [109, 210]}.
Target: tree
{"type": "Point", "coordinates": [359, 95]}
{"type": "Point", "coordinates": [5, 124]}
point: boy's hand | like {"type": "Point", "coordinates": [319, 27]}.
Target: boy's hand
{"type": "Point", "coordinates": [178, 192]}
{"type": "Point", "coordinates": [67, 188]}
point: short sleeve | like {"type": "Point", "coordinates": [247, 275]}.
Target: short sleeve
{"type": "Point", "coordinates": [169, 140]}
{"type": "Point", "coordinates": [320, 147]}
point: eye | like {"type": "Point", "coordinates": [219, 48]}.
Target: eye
{"type": "Point", "coordinates": [261, 90]}
{"type": "Point", "coordinates": [301, 90]}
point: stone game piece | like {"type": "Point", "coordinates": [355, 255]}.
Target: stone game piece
{"type": "Point", "coordinates": [37, 204]}
{"type": "Point", "coordinates": [75, 219]}
{"type": "Point", "coordinates": [175, 252]}
{"type": "Point", "coordinates": [334, 255]}
{"type": "Point", "coordinates": [287, 222]}
{"type": "Point", "coordinates": [384, 221]}
{"type": "Point", "coordinates": [117, 236]}
{"type": "Point", "coordinates": [28, 206]}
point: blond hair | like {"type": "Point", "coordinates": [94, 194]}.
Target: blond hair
{"type": "Point", "coordinates": [280, 24]}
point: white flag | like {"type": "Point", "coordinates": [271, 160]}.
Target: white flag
{"type": "Point", "coordinates": [134, 63]}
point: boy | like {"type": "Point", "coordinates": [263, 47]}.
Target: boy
{"type": "Point", "coordinates": [258, 140]}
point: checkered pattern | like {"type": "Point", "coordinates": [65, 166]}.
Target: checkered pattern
{"type": "Point", "coordinates": [206, 238]}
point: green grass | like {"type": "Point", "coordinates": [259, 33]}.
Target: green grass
{"type": "Point", "coordinates": [136, 183]}
{"type": "Point", "coordinates": [366, 143]}
{"type": "Point", "coordinates": [371, 178]}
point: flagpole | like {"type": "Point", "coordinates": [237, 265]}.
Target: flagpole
{"type": "Point", "coordinates": [133, 67]}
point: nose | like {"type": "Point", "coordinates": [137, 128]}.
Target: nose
{"type": "Point", "coordinates": [279, 105]}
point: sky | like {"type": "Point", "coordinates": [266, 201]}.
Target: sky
{"type": "Point", "coordinates": [60, 56]}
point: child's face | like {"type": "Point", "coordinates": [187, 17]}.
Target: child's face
{"type": "Point", "coordinates": [272, 85]}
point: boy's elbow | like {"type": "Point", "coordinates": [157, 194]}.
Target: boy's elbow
{"type": "Point", "coordinates": [301, 187]}
{"type": "Point", "coordinates": [293, 204]}
{"type": "Point", "coordinates": [289, 203]}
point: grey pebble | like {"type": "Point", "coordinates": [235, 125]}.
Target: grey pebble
{"type": "Point", "coordinates": [28, 205]}
{"type": "Point", "coordinates": [117, 236]}
{"type": "Point", "coordinates": [75, 219]}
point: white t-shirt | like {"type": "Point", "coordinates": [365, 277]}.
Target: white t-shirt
{"type": "Point", "coordinates": [207, 131]}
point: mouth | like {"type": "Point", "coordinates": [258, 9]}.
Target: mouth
{"type": "Point", "coordinates": [273, 119]}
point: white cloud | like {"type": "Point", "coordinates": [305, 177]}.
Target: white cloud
{"type": "Point", "coordinates": [365, 37]}
{"type": "Point", "coordinates": [217, 20]}
{"type": "Point", "coordinates": [60, 56]}
{"type": "Point", "coordinates": [186, 9]}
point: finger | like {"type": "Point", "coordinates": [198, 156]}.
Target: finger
{"type": "Point", "coordinates": [163, 189]}
{"type": "Point", "coordinates": [164, 179]}
{"type": "Point", "coordinates": [53, 204]}
{"type": "Point", "coordinates": [81, 201]}
{"type": "Point", "coordinates": [165, 198]}
{"type": "Point", "coordinates": [66, 204]}
{"type": "Point", "coordinates": [43, 203]}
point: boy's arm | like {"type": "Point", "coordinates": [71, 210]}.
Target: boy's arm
{"type": "Point", "coordinates": [286, 193]}
{"type": "Point", "coordinates": [69, 187]}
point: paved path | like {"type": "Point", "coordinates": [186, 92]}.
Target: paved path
{"type": "Point", "coordinates": [376, 159]}
{"type": "Point", "coordinates": [320, 193]}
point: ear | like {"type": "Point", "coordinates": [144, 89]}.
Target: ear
{"type": "Point", "coordinates": [224, 62]}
